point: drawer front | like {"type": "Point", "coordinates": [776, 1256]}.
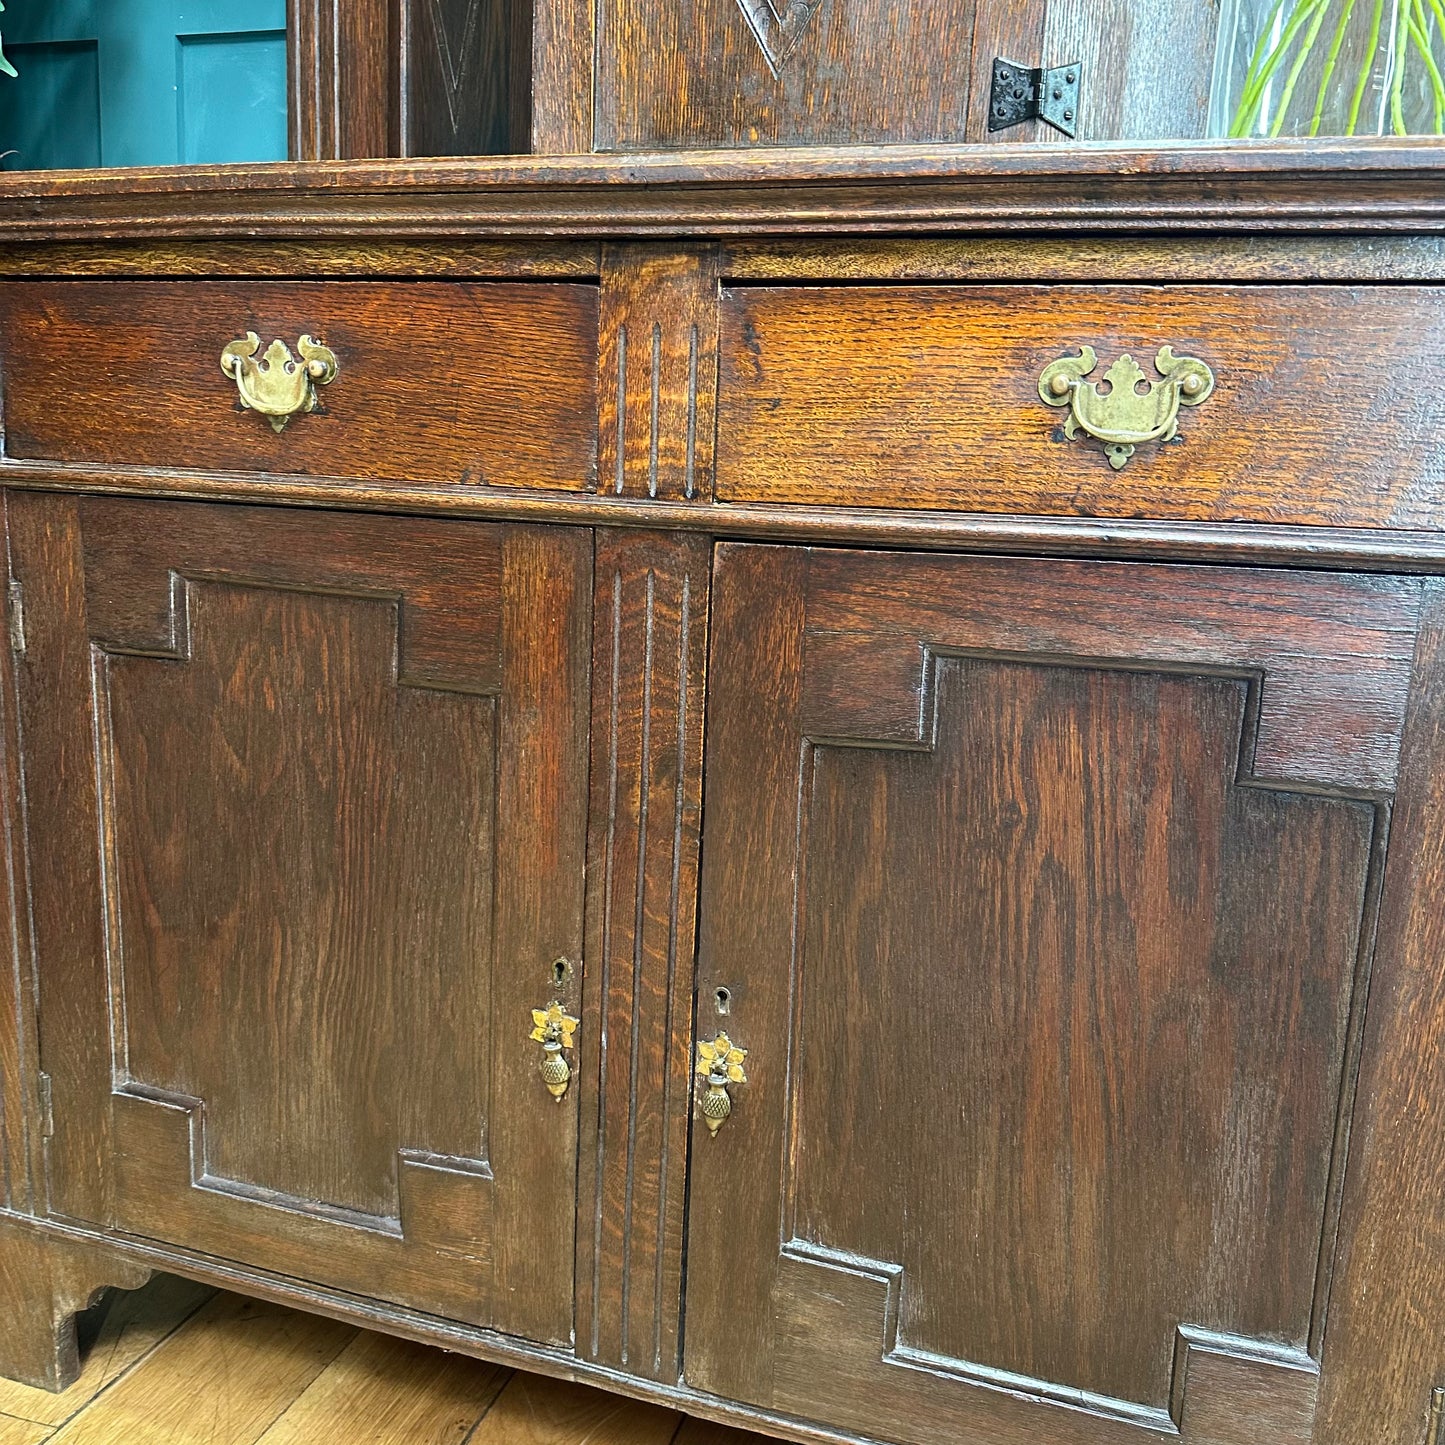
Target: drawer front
{"type": "Point", "coordinates": [1327, 407]}
{"type": "Point", "coordinates": [486, 383]}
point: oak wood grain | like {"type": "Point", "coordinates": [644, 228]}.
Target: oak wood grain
{"type": "Point", "coordinates": [889, 1101]}
{"type": "Point", "coordinates": [246, 1359]}
{"type": "Point", "coordinates": [544, 1412]}
{"type": "Point", "coordinates": [1367, 187]}
{"type": "Point", "coordinates": [380, 1391]}
{"type": "Point", "coordinates": [135, 1324]}
{"type": "Point", "coordinates": [928, 397]}
{"type": "Point", "coordinates": [44, 1284]}
{"type": "Point", "coordinates": [1383, 1356]}
{"type": "Point", "coordinates": [657, 371]}
{"type": "Point", "coordinates": [516, 407]}
{"type": "Point", "coordinates": [394, 727]}
{"type": "Point", "coordinates": [648, 683]}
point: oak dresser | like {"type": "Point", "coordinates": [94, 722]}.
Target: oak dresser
{"type": "Point", "coordinates": [807, 784]}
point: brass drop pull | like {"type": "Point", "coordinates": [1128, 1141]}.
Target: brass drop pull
{"type": "Point", "coordinates": [1123, 417]}
{"type": "Point", "coordinates": [554, 1028]}
{"type": "Point", "coordinates": [278, 385]}
{"type": "Point", "coordinates": [720, 1062]}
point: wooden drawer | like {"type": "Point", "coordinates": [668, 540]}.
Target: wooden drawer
{"type": "Point", "coordinates": [487, 383]}
{"type": "Point", "coordinates": [1328, 406]}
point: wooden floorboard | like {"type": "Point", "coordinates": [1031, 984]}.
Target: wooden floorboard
{"type": "Point", "coordinates": [176, 1364]}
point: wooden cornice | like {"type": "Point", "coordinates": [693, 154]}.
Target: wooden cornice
{"type": "Point", "coordinates": [1379, 186]}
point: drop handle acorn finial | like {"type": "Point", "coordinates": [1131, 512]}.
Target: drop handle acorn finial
{"type": "Point", "coordinates": [720, 1062]}
{"type": "Point", "coordinates": [278, 385]}
{"type": "Point", "coordinates": [555, 1029]}
{"type": "Point", "coordinates": [1123, 417]}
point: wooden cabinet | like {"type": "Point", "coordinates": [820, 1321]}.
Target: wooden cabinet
{"type": "Point", "coordinates": [321, 800]}
{"type": "Point", "coordinates": [993, 867]}
{"type": "Point", "coordinates": [1039, 894]}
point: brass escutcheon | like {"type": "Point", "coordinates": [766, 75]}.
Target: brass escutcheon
{"type": "Point", "coordinates": [277, 385]}
{"type": "Point", "coordinates": [720, 1062]}
{"type": "Point", "coordinates": [1123, 416]}
{"type": "Point", "coordinates": [555, 1029]}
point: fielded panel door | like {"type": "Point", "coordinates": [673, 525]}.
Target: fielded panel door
{"type": "Point", "coordinates": [1039, 895]}
{"type": "Point", "coordinates": [306, 811]}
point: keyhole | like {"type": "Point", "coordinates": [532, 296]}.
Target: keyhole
{"type": "Point", "coordinates": [559, 972]}
{"type": "Point", "coordinates": [724, 999]}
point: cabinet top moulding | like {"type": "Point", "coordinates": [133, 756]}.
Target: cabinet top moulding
{"type": "Point", "coordinates": [1393, 185]}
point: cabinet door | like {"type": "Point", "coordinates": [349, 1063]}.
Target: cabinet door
{"type": "Point", "coordinates": [306, 815]}
{"type": "Point", "coordinates": [1040, 895]}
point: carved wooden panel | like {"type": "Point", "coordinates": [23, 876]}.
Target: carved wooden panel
{"type": "Point", "coordinates": [836, 72]}
{"type": "Point", "coordinates": [465, 71]}
{"type": "Point", "coordinates": [657, 369]}
{"type": "Point", "coordinates": [648, 677]}
{"type": "Point", "coordinates": [337, 779]}
{"type": "Point", "coordinates": [1043, 893]}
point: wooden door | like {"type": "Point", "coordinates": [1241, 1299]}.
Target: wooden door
{"type": "Point", "coordinates": [306, 801]}
{"type": "Point", "coordinates": [1040, 895]}
{"type": "Point", "coordinates": [144, 82]}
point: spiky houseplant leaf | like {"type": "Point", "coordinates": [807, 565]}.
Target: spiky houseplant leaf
{"type": "Point", "coordinates": [5, 64]}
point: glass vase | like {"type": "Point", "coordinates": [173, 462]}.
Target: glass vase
{"type": "Point", "coordinates": [1329, 68]}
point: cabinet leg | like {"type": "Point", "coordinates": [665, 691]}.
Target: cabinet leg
{"type": "Point", "coordinates": [44, 1283]}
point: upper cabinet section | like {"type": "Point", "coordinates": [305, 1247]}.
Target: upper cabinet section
{"type": "Point", "coordinates": [150, 82]}
{"type": "Point", "coordinates": [839, 72]}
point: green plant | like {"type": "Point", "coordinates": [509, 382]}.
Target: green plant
{"type": "Point", "coordinates": [1348, 51]}
{"type": "Point", "coordinates": [5, 64]}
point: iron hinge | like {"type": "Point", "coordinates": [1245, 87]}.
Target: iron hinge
{"type": "Point", "coordinates": [1019, 94]}
{"type": "Point", "coordinates": [17, 618]}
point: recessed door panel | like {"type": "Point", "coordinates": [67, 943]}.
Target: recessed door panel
{"type": "Point", "coordinates": [1042, 895]}
{"type": "Point", "coordinates": [315, 848]}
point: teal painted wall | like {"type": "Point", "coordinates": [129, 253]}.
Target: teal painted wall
{"type": "Point", "coordinates": [143, 82]}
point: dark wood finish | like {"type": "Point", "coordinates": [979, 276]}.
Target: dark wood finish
{"type": "Point", "coordinates": [1146, 68]}
{"type": "Point", "coordinates": [464, 77]}
{"type": "Point", "coordinates": [563, 61]}
{"type": "Point", "coordinates": [1383, 1349]}
{"type": "Point", "coordinates": [928, 397]}
{"type": "Point", "coordinates": [1119, 829]}
{"type": "Point", "coordinates": [649, 651]}
{"type": "Point", "coordinates": [1379, 187]}
{"type": "Point", "coordinates": [474, 384]}
{"type": "Point", "coordinates": [1038, 1072]}
{"type": "Point", "coordinates": [341, 781]}
{"type": "Point", "coordinates": [21, 1136]}
{"type": "Point", "coordinates": [340, 65]}
{"type": "Point", "coordinates": [657, 372]}
{"type": "Point", "coordinates": [44, 1283]}
{"type": "Point", "coordinates": [819, 73]}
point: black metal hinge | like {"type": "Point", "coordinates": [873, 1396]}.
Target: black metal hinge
{"type": "Point", "coordinates": [1019, 94]}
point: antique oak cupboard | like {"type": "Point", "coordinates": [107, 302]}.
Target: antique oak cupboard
{"type": "Point", "coordinates": [490, 639]}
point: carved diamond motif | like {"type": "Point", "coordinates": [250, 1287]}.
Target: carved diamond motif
{"type": "Point", "coordinates": [456, 57]}
{"type": "Point", "coordinates": [778, 32]}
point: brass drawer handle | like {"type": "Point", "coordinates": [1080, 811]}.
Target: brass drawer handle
{"type": "Point", "coordinates": [1123, 417]}
{"type": "Point", "coordinates": [278, 386]}
{"type": "Point", "coordinates": [555, 1029]}
{"type": "Point", "coordinates": [720, 1062]}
